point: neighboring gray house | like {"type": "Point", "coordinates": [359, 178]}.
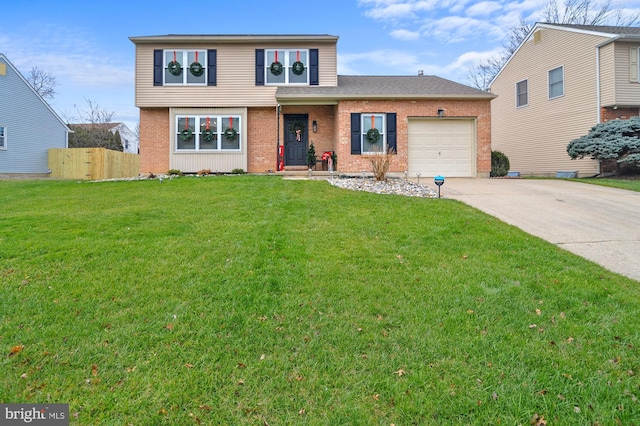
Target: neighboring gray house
{"type": "Point", "coordinates": [28, 125]}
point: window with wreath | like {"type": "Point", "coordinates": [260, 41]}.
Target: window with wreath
{"type": "Point", "coordinates": [287, 66]}
{"type": "Point", "coordinates": [208, 133]}
{"type": "Point", "coordinates": [3, 138]}
{"type": "Point", "coordinates": [373, 133]}
{"type": "Point", "coordinates": [185, 67]}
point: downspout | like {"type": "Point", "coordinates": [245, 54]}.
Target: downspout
{"type": "Point", "coordinates": [278, 138]}
{"type": "Point", "coordinates": [598, 101]}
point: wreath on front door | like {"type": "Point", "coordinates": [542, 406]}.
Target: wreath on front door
{"type": "Point", "coordinates": [373, 135]}
{"type": "Point", "coordinates": [175, 68]}
{"type": "Point", "coordinates": [297, 128]}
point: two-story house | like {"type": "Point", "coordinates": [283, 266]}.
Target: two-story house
{"type": "Point", "coordinates": [256, 102]}
{"type": "Point", "coordinates": [561, 81]}
{"type": "Point", "coordinates": [28, 126]}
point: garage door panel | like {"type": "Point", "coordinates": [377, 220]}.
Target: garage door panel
{"type": "Point", "coordinates": [442, 147]}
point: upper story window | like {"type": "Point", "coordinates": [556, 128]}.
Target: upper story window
{"type": "Point", "coordinates": [522, 93]}
{"type": "Point", "coordinates": [284, 66]}
{"type": "Point", "coordinates": [373, 133]}
{"type": "Point", "coordinates": [185, 67]}
{"type": "Point", "coordinates": [3, 138]}
{"type": "Point", "coordinates": [208, 133]}
{"type": "Point", "coordinates": [556, 82]}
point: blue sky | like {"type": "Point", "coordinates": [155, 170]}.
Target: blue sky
{"type": "Point", "coordinates": [86, 46]}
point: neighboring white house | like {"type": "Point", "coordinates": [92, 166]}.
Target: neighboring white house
{"type": "Point", "coordinates": [561, 81]}
{"type": "Point", "coordinates": [130, 142]}
{"type": "Point", "coordinates": [28, 125]}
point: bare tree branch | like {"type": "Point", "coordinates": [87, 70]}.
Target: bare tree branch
{"type": "Point", "coordinates": [94, 114]}
{"type": "Point", "coordinates": [42, 82]}
{"type": "Point", "coordinates": [579, 12]}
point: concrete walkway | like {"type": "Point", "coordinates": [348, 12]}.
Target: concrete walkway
{"type": "Point", "coordinates": [598, 223]}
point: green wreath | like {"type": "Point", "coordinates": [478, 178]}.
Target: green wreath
{"type": "Point", "coordinates": [230, 134]}
{"type": "Point", "coordinates": [196, 69]}
{"type": "Point", "coordinates": [208, 135]}
{"type": "Point", "coordinates": [297, 68]}
{"type": "Point", "coordinates": [295, 126]}
{"type": "Point", "coordinates": [175, 68]}
{"type": "Point", "coordinates": [373, 135]}
{"type": "Point", "coordinates": [186, 134]}
{"type": "Point", "coordinates": [276, 68]}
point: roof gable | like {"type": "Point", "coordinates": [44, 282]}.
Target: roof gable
{"type": "Point", "coordinates": [610, 32]}
{"type": "Point", "coordinates": [27, 84]}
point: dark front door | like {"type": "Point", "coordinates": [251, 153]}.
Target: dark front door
{"type": "Point", "coordinates": [296, 139]}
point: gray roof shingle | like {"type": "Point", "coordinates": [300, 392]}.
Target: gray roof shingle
{"type": "Point", "coordinates": [602, 28]}
{"type": "Point", "coordinates": [385, 87]}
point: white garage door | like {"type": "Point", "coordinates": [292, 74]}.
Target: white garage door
{"type": "Point", "coordinates": [442, 147]}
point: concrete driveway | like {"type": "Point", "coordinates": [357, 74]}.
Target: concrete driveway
{"type": "Point", "coordinates": [598, 223]}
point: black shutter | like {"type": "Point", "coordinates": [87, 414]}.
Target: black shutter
{"type": "Point", "coordinates": [314, 79]}
{"type": "Point", "coordinates": [212, 56]}
{"type": "Point", "coordinates": [356, 134]}
{"type": "Point", "coordinates": [392, 140]}
{"type": "Point", "coordinates": [158, 67]}
{"type": "Point", "coordinates": [259, 67]}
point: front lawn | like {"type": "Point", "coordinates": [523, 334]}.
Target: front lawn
{"type": "Point", "coordinates": [630, 183]}
{"type": "Point", "coordinates": [260, 301]}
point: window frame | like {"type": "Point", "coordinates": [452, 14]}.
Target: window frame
{"type": "Point", "coordinates": [363, 132]}
{"type": "Point", "coordinates": [199, 125]}
{"type": "Point", "coordinates": [3, 138]}
{"type": "Point", "coordinates": [561, 67]}
{"type": "Point", "coordinates": [185, 64]}
{"type": "Point", "coordinates": [287, 64]}
{"type": "Point", "coordinates": [518, 94]}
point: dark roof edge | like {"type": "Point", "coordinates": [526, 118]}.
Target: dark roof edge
{"type": "Point", "coordinates": [232, 38]}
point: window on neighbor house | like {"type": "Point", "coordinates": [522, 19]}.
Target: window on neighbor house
{"type": "Point", "coordinates": [3, 138]}
{"type": "Point", "coordinates": [373, 133]}
{"type": "Point", "coordinates": [522, 93]}
{"type": "Point", "coordinates": [556, 82]}
{"type": "Point", "coordinates": [208, 133]}
{"type": "Point", "coordinates": [185, 67]}
{"type": "Point", "coordinates": [284, 66]}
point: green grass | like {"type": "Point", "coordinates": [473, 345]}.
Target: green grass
{"type": "Point", "coordinates": [622, 183]}
{"type": "Point", "coordinates": [253, 300]}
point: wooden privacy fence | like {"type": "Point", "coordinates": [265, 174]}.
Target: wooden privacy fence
{"type": "Point", "coordinates": [92, 163]}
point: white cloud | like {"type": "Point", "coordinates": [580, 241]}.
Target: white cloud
{"type": "Point", "coordinates": [378, 62]}
{"type": "Point", "coordinates": [484, 8]}
{"type": "Point", "coordinates": [405, 35]}
{"type": "Point", "coordinates": [454, 29]}
{"type": "Point", "coordinates": [392, 10]}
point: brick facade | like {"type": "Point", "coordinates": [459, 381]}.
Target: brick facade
{"type": "Point", "coordinates": [481, 110]}
{"type": "Point", "coordinates": [154, 140]}
{"type": "Point", "coordinates": [608, 113]}
{"type": "Point", "coordinates": [333, 132]}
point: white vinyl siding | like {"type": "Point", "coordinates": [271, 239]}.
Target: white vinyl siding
{"type": "Point", "coordinates": [627, 92]}
{"type": "Point", "coordinates": [522, 93]}
{"type": "Point", "coordinates": [235, 75]}
{"type": "Point", "coordinates": [535, 138]}
{"type": "Point", "coordinates": [556, 82]}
